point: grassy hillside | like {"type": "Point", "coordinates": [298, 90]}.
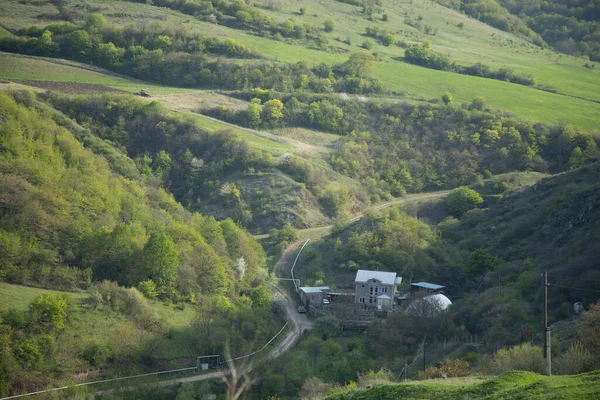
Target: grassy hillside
{"type": "Point", "coordinates": [474, 42]}
{"type": "Point", "coordinates": [512, 385]}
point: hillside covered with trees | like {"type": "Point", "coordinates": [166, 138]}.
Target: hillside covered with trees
{"type": "Point", "coordinates": [82, 218]}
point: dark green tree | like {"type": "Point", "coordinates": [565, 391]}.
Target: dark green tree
{"type": "Point", "coordinates": [463, 199]}
{"type": "Point", "coordinates": [160, 262]}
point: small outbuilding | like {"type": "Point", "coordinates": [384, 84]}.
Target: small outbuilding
{"type": "Point", "coordinates": [313, 295]}
{"type": "Point", "coordinates": [425, 288]}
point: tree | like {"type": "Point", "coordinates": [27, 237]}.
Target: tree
{"type": "Point", "coordinates": [388, 39]}
{"type": "Point", "coordinates": [447, 98]}
{"type": "Point", "coordinates": [327, 326]}
{"type": "Point", "coordinates": [272, 112]}
{"type": "Point", "coordinates": [77, 45]}
{"type": "Point", "coordinates": [463, 199]}
{"type": "Point", "coordinates": [253, 113]}
{"type": "Point", "coordinates": [49, 311]}
{"type": "Point", "coordinates": [260, 296]}
{"type": "Point", "coordinates": [480, 261]}
{"type": "Point", "coordinates": [368, 44]}
{"type": "Point", "coordinates": [160, 262]}
{"type": "Point", "coordinates": [94, 22]}
{"type": "Point", "coordinates": [148, 289]}
{"type": "Point", "coordinates": [329, 25]}
{"type": "Point", "coordinates": [359, 63]}
{"type": "Point", "coordinates": [588, 327]}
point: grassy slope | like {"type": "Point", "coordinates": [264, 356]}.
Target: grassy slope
{"type": "Point", "coordinates": [105, 326]}
{"type": "Point", "coordinates": [512, 385]}
{"type": "Point", "coordinates": [475, 42]}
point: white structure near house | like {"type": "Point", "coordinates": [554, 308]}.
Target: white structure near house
{"type": "Point", "coordinates": [376, 288]}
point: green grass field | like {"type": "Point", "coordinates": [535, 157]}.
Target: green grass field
{"type": "Point", "coordinates": [578, 105]}
{"type": "Point", "coordinates": [102, 325]}
{"type": "Point", "coordinates": [512, 385]}
{"type": "Point", "coordinates": [19, 297]}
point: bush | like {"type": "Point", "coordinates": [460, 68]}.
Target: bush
{"type": "Point", "coordinates": [576, 360]}
{"type": "Point", "coordinates": [95, 353]}
{"type": "Point", "coordinates": [449, 369]}
{"type": "Point", "coordinates": [148, 289]}
{"type": "Point", "coordinates": [329, 25]}
{"type": "Point", "coordinates": [524, 358]}
{"type": "Point", "coordinates": [462, 200]}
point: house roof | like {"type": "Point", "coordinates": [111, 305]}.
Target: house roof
{"type": "Point", "coordinates": [398, 280]}
{"type": "Point", "coordinates": [384, 297]}
{"type": "Point", "coordinates": [387, 278]}
{"type": "Point", "coordinates": [426, 285]}
{"type": "Point", "coordinates": [314, 289]}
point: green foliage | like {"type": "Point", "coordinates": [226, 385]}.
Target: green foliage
{"type": "Point", "coordinates": [512, 385]}
{"type": "Point", "coordinates": [148, 289]}
{"type": "Point", "coordinates": [359, 63]}
{"type": "Point", "coordinates": [48, 311]}
{"type": "Point", "coordinates": [260, 296]}
{"type": "Point", "coordinates": [449, 369]}
{"type": "Point", "coordinates": [462, 200]}
{"type": "Point", "coordinates": [447, 98]}
{"type": "Point", "coordinates": [329, 25]}
{"type": "Point", "coordinates": [589, 323]}
{"type": "Point", "coordinates": [327, 326]}
{"type": "Point", "coordinates": [160, 262]}
{"type": "Point", "coordinates": [524, 357]}
{"type": "Point", "coordinates": [480, 261]}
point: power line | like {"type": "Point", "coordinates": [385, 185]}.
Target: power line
{"type": "Point", "coordinates": [574, 277]}
{"type": "Point", "coordinates": [574, 288]}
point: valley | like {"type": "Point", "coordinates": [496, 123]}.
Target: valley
{"type": "Point", "coordinates": [162, 163]}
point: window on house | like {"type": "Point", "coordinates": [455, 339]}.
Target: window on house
{"type": "Point", "coordinates": [361, 300]}
{"type": "Point", "coordinates": [376, 289]}
{"type": "Point", "coordinates": [384, 290]}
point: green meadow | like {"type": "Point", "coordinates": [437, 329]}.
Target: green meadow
{"type": "Point", "coordinates": [577, 103]}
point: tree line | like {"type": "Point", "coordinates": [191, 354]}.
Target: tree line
{"type": "Point", "coordinates": [421, 54]}
{"type": "Point", "coordinates": [176, 57]}
{"type": "Point", "coordinates": [420, 147]}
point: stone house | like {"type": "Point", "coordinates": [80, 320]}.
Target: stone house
{"type": "Point", "coordinates": [376, 288]}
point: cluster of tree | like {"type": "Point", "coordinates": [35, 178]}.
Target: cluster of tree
{"type": "Point", "coordinates": [190, 161]}
{"type": "Point", "coordinates": [369, 7]}
{"type": "Point", "coordinates": [395, 242]}
{"type": "Point", "coordinates": [381, 35]}
{"type": "Point", "coordinates": [152, 36]}
{"type": "Point", "coordinates": [239, 14]}
{"type": "Point", "coordinates": [424, 147]}
{"type": "Point", "coordinates": [63, 209]}
{"type": "Point", "coordinates": [571, 27]}
{"type": "Point", "coordinates": [179, 59]}
{"type": "Point", "coordinates": [493, 13]}
{"type": "Point", "coordinates": [421, 54]}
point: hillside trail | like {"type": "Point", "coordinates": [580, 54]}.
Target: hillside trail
{"type": "Point", "coordinates": [322, 230]}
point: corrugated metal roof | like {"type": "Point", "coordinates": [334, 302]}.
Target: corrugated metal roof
{"type": "Point", "coordinates": [387, 278]}
{"type": "Point", "coordinates": [427, 285]}
{"type": "Point", "coordinates": [314, 289]}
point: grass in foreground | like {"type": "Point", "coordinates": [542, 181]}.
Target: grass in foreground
{"type": "Point", "coordinates": [512, 385]}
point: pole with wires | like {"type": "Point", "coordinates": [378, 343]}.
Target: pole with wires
{"type": "Point", "coordinates": [547, 343]}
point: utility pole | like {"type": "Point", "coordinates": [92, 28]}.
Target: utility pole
{"type": "Point", "coordinates": [547, 343]}
{"type": "Point", "coordinates": [424, 351]}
